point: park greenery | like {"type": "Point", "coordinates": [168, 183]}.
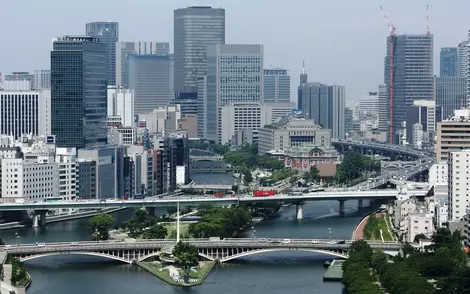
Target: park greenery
{"type": "Point", "coordinates": [100, 224]}
{"type": "Point", "coordinates": [440, 268]}
{"type": "Point", "coordinates": [185, 257]}
{"type": "Point", "coordinates": [145, 226]}
{"type": "Point", "coordinates": [355, 166]}
{"type": "Point", "coordinates": [223, 222]}
{"type": "Point", "coordinates": [374, 225]}
{"type": "Point", "coordinates": [19, 273]}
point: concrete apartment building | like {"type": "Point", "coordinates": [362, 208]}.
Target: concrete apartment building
{"type": "Point", "coordinates": [459, 184]}
{"type": "Point", "coordinates": [291, 134]}
{"type": "Point", "coordinates": [453, 134]}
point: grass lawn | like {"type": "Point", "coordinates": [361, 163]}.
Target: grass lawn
{"type": "Point", "coordinates": [373, 227]}
{"type": "Point", "coordinates": [164, 274]}
{"type": "Point", "coordinates": [171, 227]}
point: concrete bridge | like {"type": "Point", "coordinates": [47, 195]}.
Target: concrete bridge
{"type": "Point", "coordinates": [204, 155]}
{"type": "Point", "coordinates": [223, 250]}
{"type": "Point", "coordinates": [206, 169]}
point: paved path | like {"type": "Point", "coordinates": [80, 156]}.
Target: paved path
{"type": "Point", "coordinates": [359, 232]}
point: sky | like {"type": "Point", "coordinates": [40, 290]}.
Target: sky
{"type": "Point", "coordinates": [342, 41]}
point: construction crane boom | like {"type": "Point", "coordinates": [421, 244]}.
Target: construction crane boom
{"type": "Point", "coordinates": [391, 27]}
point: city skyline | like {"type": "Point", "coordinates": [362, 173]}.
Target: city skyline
{"type": "Point", "coordinates": [361, 30]}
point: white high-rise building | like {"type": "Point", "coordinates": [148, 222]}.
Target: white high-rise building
{"type": "Point", "coordinates": [369, 105]}
{"type": "Point", "coordinates": [121, 106]}
{"type": "Point", "coordinates": [234, 74]}
{"type": "Point", "coordinates": [25, 113]}
{"type": "Point", "coordinates": [459, 186]}
{"type": "Point", "coordinates": [66, 161]}
{"type": "Point", "coordinates": [438, 173]}
{"type": "Point", "coordinates": [42, 79]}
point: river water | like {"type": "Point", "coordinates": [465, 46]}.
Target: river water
{"type": "Point", "coordinates": [273, 273]}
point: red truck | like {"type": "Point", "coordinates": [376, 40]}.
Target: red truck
{"type": "Point", "coordinates": [219, 194]}
{"type": "Point", "coordinates": [264, 193]}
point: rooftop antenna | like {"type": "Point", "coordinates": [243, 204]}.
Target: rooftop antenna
{"type": "Point", "coordinates": [303, 66]}
{"type": "Point", "coordinates": [428, 28]}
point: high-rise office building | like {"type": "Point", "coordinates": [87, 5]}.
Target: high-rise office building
{"type": "Point", "coordinates": [369, 105]}
{"type": "Point", "coordinates": [42, 79]}
{"type": "Point", "coordinates": [448, 62]}
{"type": "Point", "coordinates": [108, 33]}
{"type": "Point", "coordinates": [383, 108]}
{"type": "Point", "coordinates": [21, 76]}
{"type": "Point", "coordinates": [450, 94]}
{"type": "Point", "coordinates": [234, 74]}
{"type": "Point", "coordinates": [276, 85]}
{"type": "Point", "coordinates": [303, 81]}
{"type": "Point", "coordinates": [462, 58]}
{"type": "Point", "coordinates": [326, 106]}
{"type": "Point", "coordinates": [426, 114]}
{"type": "Point", "coordinates": [140, 48]}
{"type": "Point", "coordinates": [412, 75]}
{"type": "Point", "coordinates": [195, 28]}
{"type": "Point", "coordinates": [151, 78]}
{"type": "Point", "coordinates": [78, 91]}
{"type": "Point", "coordinates": [25, 113]}
{"type": "Point", "coordinates": [121, 106]}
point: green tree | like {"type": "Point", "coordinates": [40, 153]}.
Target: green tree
{"type": "Point", "coordinates": [378, 259]}
{"type": "Point", "coordinates": [419, 237]}
{"type": "Point", "coordinates": [185, 257]}
{"type": "Point", "coordinates": [100, 225]}
{"type": "Point", "coordinates": [313, 175]}
{"type": "Point", "coordinates": [247, 177]}
{"type": "Point", "coordinates": [155, 232]}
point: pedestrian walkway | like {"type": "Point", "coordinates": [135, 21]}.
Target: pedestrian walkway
{"type": "Point", "coordinates": [359, 232]}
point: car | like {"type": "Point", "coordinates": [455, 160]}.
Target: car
{"type": "Point", "coordinates": [315, 241]}
{"type": "Point", "coordinates": [286, 241]}
{"type": "Point", "coordinates": [7, 246]}
{"type": "Point", "coordinates": [262, 240]}
{"type": "Point", "coordinates": [74, 244]}
{"type": "Point", "coordinates": [341, 242]}
{"type": "Point", "coordinates": [41, 244]}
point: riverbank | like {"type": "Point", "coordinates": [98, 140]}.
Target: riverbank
{"type": "Point", "coordinates": [60, 218]}
{"type": "Point", "coordinates": [171, 275]}
{"type": "Point", "coordinates": [380, 230]}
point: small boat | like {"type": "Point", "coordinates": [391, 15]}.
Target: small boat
{"type": "Point", "coordinates": [257, 219]}
{"type": "Point", "coordinates": [286, 204]}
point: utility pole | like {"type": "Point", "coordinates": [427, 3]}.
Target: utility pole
{"type": "Point", "coordinates": [177, 221]}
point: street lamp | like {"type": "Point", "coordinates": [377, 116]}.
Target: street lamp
{"type": "Point", "coordinates": [253, 232]}
{"type": "Point", "coordinates": [329, 232]}
{"type": "Point", "coordinates": [17, 239]}
{"type": "Point", "coordinates": [96, 234]}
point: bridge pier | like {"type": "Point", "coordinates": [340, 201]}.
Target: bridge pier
{"type": "Point", "coordinates": [360, 204]}
{"type": "Point", "coordinates": [35, 220]}
{"type": "Point", "coordinates": [300, 211]}
{"type": "Point", "coordinates": [341, 207]}
{"type": "Point", "coordinates": [42, 219]}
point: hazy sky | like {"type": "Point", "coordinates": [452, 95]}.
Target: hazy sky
{"type": "Point", "coordinates": [342, 41]}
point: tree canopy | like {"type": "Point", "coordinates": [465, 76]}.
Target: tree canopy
{"type": "Point", "coordinates": [221, 222]}
{"type": "Point", "coordinates": [100, 224]}
{"type": "Point", "coordinates": [185, 257]}
{"type": "Point", "coordinates": [353, 165]}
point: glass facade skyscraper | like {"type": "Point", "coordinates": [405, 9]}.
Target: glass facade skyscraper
{"type": "Point", "coordinates": [195, 28]}
{"type": "Point", "coordinates": [448, 62]}
{"type": "Point", "coordinates": [413, 75]}
{"type": "Point", "coordinates": [78, 92]}
{"type": "Point", "coordinates": [108, 33]}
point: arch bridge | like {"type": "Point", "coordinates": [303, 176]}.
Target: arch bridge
{"type": "Point", "coordinates": [222, 251]}
{"type": "Point", "coordinates": [204, 155]}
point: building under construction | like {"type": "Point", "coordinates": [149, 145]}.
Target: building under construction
{"type": "Point", "coordinates": [409, 76]}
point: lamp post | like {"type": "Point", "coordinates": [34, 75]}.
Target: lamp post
{"type": "Point", "coordinates": [96, 235]}
{"type": "Point", "coordinates": [17, 239]}
{"type": "Point", "coordinates": [329, 232]}
{"type": "Point", "coordinates": [253, 232]}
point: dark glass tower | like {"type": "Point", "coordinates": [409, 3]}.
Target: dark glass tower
{"type": "Point", "coordinates": [78, 92]}
{"type": "Point", "coordinates": [108, 33]}
{"type": "Point", "coordinates": [448, 62]}
{"type": "Point", "coordinates": [195, 28]}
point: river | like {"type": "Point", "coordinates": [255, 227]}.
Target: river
{"type": "Point", "coordinates": [273, 273]}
